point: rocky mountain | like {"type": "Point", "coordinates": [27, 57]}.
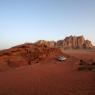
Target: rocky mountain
{"type": "Point", "coordinates": [26, 54]}
{"type": "Point", "coordinates": [74, 42]}
{"type": "Point", "coordinates": [71, 42]}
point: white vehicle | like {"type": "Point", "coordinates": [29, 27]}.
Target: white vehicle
{"type": "Point", "coordinates": [61, 58]}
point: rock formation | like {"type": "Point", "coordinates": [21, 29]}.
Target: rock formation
{"type": "Point", "coordinates": [88, 44]}
{"type": "Point", "coordinates": [71, 42]}
{"type": "Point", "coordinates": [74, 42]}
{"type": "Point", "coordinates": [46, 43]}
{"type": "Point", "coordinates": [26, 54]}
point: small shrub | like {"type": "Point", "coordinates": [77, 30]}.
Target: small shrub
{"type": "Point", "coordinates": [82, 68]}
{"type": "Point", "coordinates": [93, 63]}
{"type": "Point", "coordinates": [37, 62]}
{"type": "Point", "coordinates": [90, 68]}
{"type": "Point", "coordinates": [82, 62]}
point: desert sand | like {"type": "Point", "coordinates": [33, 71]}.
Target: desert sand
{"type": "Point", "coordinates": [50, 77]}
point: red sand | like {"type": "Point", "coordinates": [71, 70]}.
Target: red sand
{"type": "Point", "coordinates": [50, 78]}
{"type": "Point", "coordinates": [82, 54]}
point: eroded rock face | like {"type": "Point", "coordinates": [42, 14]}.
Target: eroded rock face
{"type": "Point", "coordinates": [75, 42]}
{"type": "Point", "coordinates": [26, 54]}
{"type": "Point", "coordinates": [71, 42]}
{"type": "Point", "coordinates": [46, 43]}
{"type": "Point", "coordinates": [88, 44]}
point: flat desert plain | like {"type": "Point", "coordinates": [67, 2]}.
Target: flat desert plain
{"type": "Point", "coordinates": [51, 77]}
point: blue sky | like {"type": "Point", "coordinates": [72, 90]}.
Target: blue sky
{"type": "Point", "coordinates": [30, 20]}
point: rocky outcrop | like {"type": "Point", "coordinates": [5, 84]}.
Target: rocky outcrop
{"type": "Point", "coordinates": [26, 54]}
{"type": "Point", "coordinates": [88, 44]}
{"type": "Point", "coordinates": [74, 42]}
{"type": "Point", "coordinates": [71, 42]}
{"type": "Point", "coordinates": [44, 43]}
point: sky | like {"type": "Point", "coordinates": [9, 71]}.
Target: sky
{"type": "Point", "coordinates": [23, 21]}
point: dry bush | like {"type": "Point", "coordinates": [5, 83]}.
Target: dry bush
{"type": "Point", "coordinates": [90, 65]}
{"type": "Point", "coordinates": [82, 62]}
{"type": "Point", "coordinates": [82, 68]}
{"type": "Point", "coordinates": [93, 63]}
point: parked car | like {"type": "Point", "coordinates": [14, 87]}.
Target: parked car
{"type": "Point", "coordinates": [61, 58]}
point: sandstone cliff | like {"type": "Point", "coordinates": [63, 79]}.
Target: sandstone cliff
{"type": "Point", "coordinates": [74, 42]}
{"type": "Point", "coordinates": [71, 42]}
{"type": "Point", "coordinates": [46, 43]}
